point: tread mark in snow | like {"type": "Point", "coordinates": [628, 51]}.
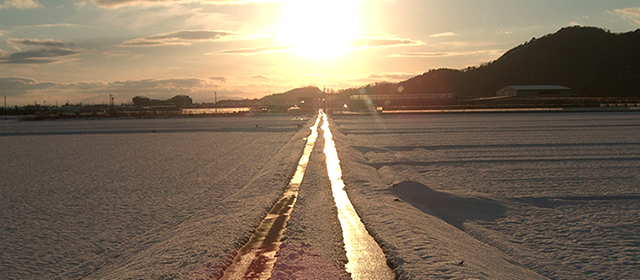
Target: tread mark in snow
{"type": "Point", "coordinates": [255, 259]}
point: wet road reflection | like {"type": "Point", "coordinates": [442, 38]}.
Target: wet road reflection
{"type": "Point", "coordinates": [256, 259]}
{"type": "Point", "coordinates": [365, 258]}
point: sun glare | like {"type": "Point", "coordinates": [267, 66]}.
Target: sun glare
{"type": "Point", "coordinates": [319, 28]}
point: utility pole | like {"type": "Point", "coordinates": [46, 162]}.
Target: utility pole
{"type": "Point", "coordinates": [215, 102]}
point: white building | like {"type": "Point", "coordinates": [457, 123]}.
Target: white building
{"type": "Point", "coordinates": [535, 91]}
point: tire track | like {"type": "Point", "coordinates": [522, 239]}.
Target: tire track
{"type": "Point", "coordinates": [256, 259]}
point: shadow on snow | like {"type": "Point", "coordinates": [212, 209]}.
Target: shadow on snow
{"type": "Point", "coordinates": [451, 208]}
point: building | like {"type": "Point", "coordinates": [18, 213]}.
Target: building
{"type": "Point", "coordinates": [535, 91]}
{"type": "Point", "coordinates": [182, 101]}
{"type": "Point", "coordinates": [141, 101]}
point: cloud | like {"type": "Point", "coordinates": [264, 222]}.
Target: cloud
{"type": "Point", "coordinates": [192, 35]}
{"type": "Point", "coordinates": [40, 56]}
{"type": "Point", "coordinates": [632, 14]}
{"type": "Point", "coordinates": [48, 25]}
{"type": "Point", "coordinates": [19, 4]}
{"type": "Point", "coordinates": [25, 90]}
{"type": "Point", "coordinates": [253, 51]}
{"type": "Point", "coordinates": [221, 79]}
{"type": "Point", "coordinates": [119, 3]}
{"type": "Point", "coordinates": [260, 77]}
{"type": "Point", "coordinates": [184, 37]}
{"type": "Point", "coordinates": [445, 34]}
{"type": "Point", "coordinates": [154, 86]}
{"type": "Point", "coordinates": [369, 42]}
{"type": "Point", "coordinates": [392, 76]}
{"type": "Point", "coordinates": [447, 54]}
{"type": "Point", "coordinates": [50, 51]}
{"type": "Point", "coordinates": [427, 54]}
{"type": "Point", "coordinates": [15, 86]}
{"type": "Point", "coordinates": [49, 43]}
{"type": "Point", "coordinates": [147, 87]}
{"type": "Point", "coordinates": [265, 77]}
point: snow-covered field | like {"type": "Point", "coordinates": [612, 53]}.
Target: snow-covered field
{"type": "Point", "coordinates": [80, 195]}
{"type": "Point", "coordinates": [556, 193]}
{"type": "Point", "coordinates": [456, 196]}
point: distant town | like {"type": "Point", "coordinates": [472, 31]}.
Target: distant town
{"type": "Point", "coordinates": [144, 107]}
{"type": "Point", "coordinates": [310, 99]}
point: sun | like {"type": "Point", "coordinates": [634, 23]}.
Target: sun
{"type": "Point", "coordinates": [319, 28]}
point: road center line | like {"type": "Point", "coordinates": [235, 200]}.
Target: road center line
{"type": "Point", "coordinates": [256, 259]}
{"type": "Point", "coordinates": [365, 258]}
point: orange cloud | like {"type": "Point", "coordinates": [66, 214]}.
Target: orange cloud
{"type": "Point", "coordinates": [370, 42]}
{"type": "Point", "coordinates": [445, 34]}
{"type": "Point", "coordinates": [118, 3]}
{"type": "Point", "coordinates": [632, 14]}
{"type": "Point", "coordinates": [184, 37]}
{"type": "Point", "coordinates": [254, 51]}
{"type": "Point", "coordinates": [20, 4]}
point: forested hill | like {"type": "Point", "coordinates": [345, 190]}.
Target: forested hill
{"type": "Point", "coordinates": [292, 96]}
{"type": "Point", "coordinates": [591, 61]}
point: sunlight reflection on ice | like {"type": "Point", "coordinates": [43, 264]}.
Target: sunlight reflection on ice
{"type": "Point", "coordinates": [365, 258]}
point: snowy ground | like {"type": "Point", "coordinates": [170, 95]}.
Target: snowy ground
{"type": "Point", "coordinates": [556, 192]}
{"type": "Point", "coordinates": [115, 195]}
{"type": "Point", "coordinates": [456, 196]}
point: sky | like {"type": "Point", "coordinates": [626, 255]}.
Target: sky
{"type": "Point", "coordinates": [81, 51]}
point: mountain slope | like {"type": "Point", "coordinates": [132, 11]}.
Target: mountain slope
{"type": "Point", "coordinates": [293, 95]}
{"type": "Point", "coordinates": [591, 61]}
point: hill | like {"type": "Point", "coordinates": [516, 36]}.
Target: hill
{"type": "Point", "coordinates": [292, 96]}
{"type": "Point", "coordinates": [592, 61]}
